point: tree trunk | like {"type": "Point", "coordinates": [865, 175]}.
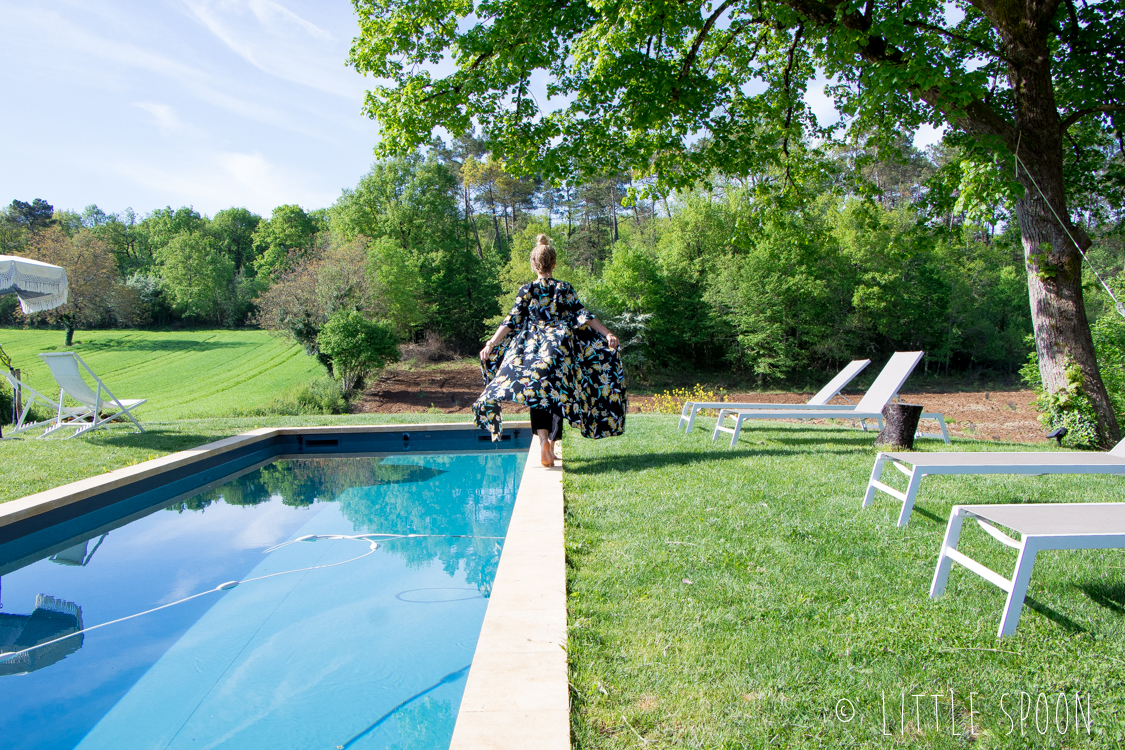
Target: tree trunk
{"type": "Point", "coordinates": [69, 332]}
{"type": "Point", "coordinates": [1054, 263]}
{"type": "Point", "coordinates": [900, 423]}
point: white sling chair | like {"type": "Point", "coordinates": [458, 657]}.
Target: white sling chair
{"type": "Point", "coordinates": [29, 396]}
{"type": "Point", "coordinates": [1042, 526]}
{"type": "Point", "coordinates": [818, 401]}
{"type": "Point", "coordinates": [98, 408]}
{"type": "Point", "coordinates": [885, 387]}
{"type": "Point", "coordinates": [1032, 463]}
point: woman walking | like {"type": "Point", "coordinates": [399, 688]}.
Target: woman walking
{"type": "Point", "coordinates": [553, 355]}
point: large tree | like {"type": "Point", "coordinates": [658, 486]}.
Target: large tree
{"type": "Point", "coordinates": [91, 275]}
{"type": "Point", "coordinates": [682, 89]}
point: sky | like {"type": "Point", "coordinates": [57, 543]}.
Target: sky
{"type": "Point", "coordinates": [207, 103]}
{"type": "Point", "coordinates": [202, 103]}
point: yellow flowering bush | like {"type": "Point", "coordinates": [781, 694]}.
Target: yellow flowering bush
{"type": "Point", "coordinates": [672, 402]}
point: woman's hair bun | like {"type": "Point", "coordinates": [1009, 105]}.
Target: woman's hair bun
{"type": "Point", "coordinates": [543, 256]}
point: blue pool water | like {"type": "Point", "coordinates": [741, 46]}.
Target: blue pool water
{"type": "Point", "coordinates": [327, 642]}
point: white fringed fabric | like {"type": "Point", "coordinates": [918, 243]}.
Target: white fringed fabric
{"type": "Point", "coordinates": [40, 286]}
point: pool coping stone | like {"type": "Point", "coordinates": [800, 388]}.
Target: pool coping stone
{"type": "Point", "coordinates": [517, 694]}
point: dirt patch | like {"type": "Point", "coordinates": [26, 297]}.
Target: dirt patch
{"type": "Point", "coordinates": [449, 389]}
{"type": "Point", "coordinates": [452, 389]}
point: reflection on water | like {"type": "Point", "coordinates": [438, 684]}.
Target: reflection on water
{"type": "Point", "coordinates": [51, 619]}
{"type": "Point", "coordinates": [379, 495]}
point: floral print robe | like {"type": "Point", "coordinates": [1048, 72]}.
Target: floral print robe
{"type": "Point", "coordinates": [549, 357]}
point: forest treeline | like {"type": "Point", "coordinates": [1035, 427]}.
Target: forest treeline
{"type": "Point", "coordinates": [887, 255]}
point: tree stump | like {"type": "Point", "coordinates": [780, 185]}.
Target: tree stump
{"type": "Point", "coordinates": [900, 422]}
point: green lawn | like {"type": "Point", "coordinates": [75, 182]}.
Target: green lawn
{"type": "Point", "coordinates": [183, 374]}
{"type": "Point", "coordinates": [742, 598]}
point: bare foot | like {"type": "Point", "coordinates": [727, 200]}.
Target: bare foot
{"type": "Point", "coordinates": [546, 453]}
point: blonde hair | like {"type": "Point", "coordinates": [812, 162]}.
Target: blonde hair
{"type": "Point", "coordinates": [543, 255]}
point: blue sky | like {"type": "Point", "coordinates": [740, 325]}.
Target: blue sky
{"type": "Point", "coordinates": [209, 103]}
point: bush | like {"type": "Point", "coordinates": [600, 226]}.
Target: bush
{"type": "Point", "coordinates": [321, 396]}
{"type": "Point", "coordinates": [356, 346]}
{"type": "Point", "coordinates": [1068, 408]}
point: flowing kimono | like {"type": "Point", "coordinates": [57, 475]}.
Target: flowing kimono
{"type": "Point", "coordinates": [550, 356]}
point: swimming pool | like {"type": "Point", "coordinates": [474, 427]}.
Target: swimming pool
{"type": "Point", "coordinates": [313, 601]}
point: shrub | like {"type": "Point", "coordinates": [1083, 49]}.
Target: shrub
{"type": "Point", "coordinates": [672, 402]}
{"type": "Point", "coordinates": [1067, 407]}
{"type": "Point", "coordinates": [356, 346]}
{"type": "Point", "coordinates": [432, 349]}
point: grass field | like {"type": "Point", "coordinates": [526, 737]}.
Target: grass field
{"type": "Point", "coordinates": [183, 374]}
{"type": "Point", "coordinates": [742, 598]}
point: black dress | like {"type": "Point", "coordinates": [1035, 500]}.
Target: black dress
{"type": "Point", "coordinates": [551, 358]}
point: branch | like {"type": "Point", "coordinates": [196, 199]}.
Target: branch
{"type": "Point", "coordinates": [788, 95]}
{"type": "Point", "coordinates": [694, 51]}
{"type": "Point", "coordinates": [735, 30]}
{"type": "Point", "coordinates": [475, 64]}
{"type": "Point", "coordinates": [958, 37]}
{"type": "Point", "coordinates": [1077, 115]}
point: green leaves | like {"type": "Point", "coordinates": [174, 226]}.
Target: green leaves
{"type": "Point", "coordinates": [356, 346]}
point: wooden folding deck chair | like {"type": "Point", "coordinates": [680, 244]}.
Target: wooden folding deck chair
{"type": "Point", "coordinates": [1029, 463]}
{"type": "Point", "coordinates": [98, 408]}
{"type": "Point", "coordinates": [1042, 526]}
{"type": "Point", "coordinates": [819, 400]}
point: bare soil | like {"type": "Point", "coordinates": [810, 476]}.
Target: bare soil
{"type": "Point", "coordinates": [451, 389]}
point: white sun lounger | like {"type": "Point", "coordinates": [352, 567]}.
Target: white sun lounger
{"type": "Point", "coordinates": [1031, 463]}
{"type": "Point", "coordinates": [819, 400]}
{"type": "Point", "coordinates": [1042, 526]}
{"type": "Point", "coordinates": [29, 396]}
{"type": "Point", "coordinates": [885, 387]}
{"type": "Point", "coordinates": [97, 409]}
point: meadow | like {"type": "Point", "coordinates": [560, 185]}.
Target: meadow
{"type": "Point", "coordinates": [184, 374]}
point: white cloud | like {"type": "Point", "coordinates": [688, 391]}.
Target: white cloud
{"type": "Point", "coordinates": [280, 43]}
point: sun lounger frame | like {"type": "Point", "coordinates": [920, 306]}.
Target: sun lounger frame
{"type": "Point", "coordinates": [1032, 463]}
{"type": "Point", "coordinates": [89, 416]}
{"type": "Point", "coordinates": [885, 387]}
{"type": "Point", "coordinates": [819, 400]}
{"type": "Point", "coordinates": [29, 396]}
{"type": "Point", "coordinates": [1076, 526]}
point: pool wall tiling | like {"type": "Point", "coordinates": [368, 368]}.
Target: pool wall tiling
{"type": "Point", "coordinates": [516, 695]}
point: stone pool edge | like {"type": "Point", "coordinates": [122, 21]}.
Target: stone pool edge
{"type": "Point", "coordinates": [517, 694]}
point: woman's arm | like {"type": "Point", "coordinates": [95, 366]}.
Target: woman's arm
{"type": "Point", "coordinates": [497, 337]}
{"type": "Point", "coordinates": [609, 337]}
